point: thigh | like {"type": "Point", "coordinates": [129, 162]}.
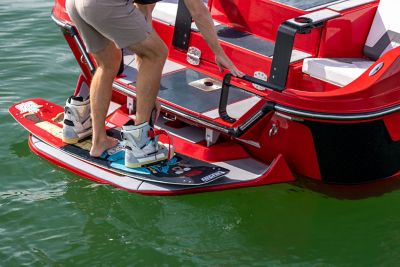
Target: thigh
{"type": "Point", "coordinates": [118, 20]}
{"type": "Point", "coordinates": [108, 58]}
{"type": "Point", "coordinates": [150, 47]}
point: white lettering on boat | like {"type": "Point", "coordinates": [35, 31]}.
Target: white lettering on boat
{"type": "Point", "coordinates": [212, 176]}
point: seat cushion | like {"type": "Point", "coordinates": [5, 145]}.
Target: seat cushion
{"type": "Point", "coordinates": [165, 11]}
{"type": "Point", "coordinates": [384, 34]}
{"type": "Point", "coordinates": [339, 71]}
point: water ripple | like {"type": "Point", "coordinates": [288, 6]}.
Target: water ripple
{"type": "Point", "coordinates": [30, 195]}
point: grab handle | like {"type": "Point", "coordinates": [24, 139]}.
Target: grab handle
{"type": "Point", "coordinates": [226, 83]}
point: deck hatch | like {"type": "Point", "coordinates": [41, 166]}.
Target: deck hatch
{"type": "Point", "coordinates": [207, 84]}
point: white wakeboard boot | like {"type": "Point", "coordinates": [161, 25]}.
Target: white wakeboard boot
{"type": "Point", "coordinates": [142, 146]}
{"type": "Point", "coordinates": [77, 120]}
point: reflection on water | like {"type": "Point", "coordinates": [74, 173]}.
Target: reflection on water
{"type": "Point", "coordinates": [31, 195]}
{"type": "Point", "coordinates": [20, 149]}
{"type": "Point", "coordinates": [349, 192]}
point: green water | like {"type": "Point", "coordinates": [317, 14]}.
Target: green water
{"type": "Point", "coordinates": [50, 217]}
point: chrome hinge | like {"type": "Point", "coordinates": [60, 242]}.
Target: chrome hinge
{"type": "Point", "coordinates": [193, 56]}
{"type": "Point", "coordinates": [131, 105]}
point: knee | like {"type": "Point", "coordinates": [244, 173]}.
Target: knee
{"type": "Point", "coordinates": [160, 53]}
{"type": "Point", "coordinates": [157, 52]}
{"type": "Point", "coordinates": [112, 63]}
{"type": "Point", "coordinates": [163, 51]}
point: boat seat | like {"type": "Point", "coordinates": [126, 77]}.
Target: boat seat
{"type": "Point", "coordinates": [383, 36]}
{"type": "Point", "coordinates": [338, 71]}
{"type": "Point", "coordinates": [165, 12]}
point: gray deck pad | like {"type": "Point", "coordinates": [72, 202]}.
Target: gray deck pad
{"type": "Point", "coordinates": [175, 89]}
{"type": "Point", "coordinates": [245, 40]}
{"type": "Point", "coordinates": [253, 43]}
{"type": "Point", "coordinates": [307, 5]}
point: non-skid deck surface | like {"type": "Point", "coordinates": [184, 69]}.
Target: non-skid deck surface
{"type": "Point", "coordinates": [253, 43]}
{"type": "Point", "coordinates": [175, 89]}
{"type": "Point", "coordinates": [165, 12]}
{"type": "Point", "coordinates": [309, 4]}
{"type": "Point", "coordinates": [245, 40]}
{"type": "Point", "coordinates": [189, 97]}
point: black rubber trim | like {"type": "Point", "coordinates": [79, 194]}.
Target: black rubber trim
{"type": "Point", "coordinates": [337, 116]}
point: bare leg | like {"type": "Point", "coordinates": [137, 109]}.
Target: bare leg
{"type": "Point", "coordinates": [147, 11]}
{"type": "Point", "coordinates": [100, 96]}
{"type": "Point", "coordinates": [153, 53]}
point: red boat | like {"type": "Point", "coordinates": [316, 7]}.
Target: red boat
{"type": "Point", "coordinates": [321, 100]}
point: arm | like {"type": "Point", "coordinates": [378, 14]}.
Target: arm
{"type": "Point", "coordinates": [204, 22]}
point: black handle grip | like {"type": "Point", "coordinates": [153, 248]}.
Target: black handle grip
{"type": "Point", "coordinates": [226, 83]}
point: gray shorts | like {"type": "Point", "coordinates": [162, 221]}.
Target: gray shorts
{"type": "Point", "coordinates": [101, 21]}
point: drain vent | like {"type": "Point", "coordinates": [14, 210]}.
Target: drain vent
{"type": "Point", "coordinates": [207, 84]}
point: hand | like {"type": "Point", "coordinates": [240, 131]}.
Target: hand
{"type": "Point", "coordinates": [223, 61]}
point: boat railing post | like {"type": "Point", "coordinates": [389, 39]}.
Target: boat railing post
{"type": "Point", "coordinates": [183, 27]}
{"type": "Point", "coordinates": [285, 40]}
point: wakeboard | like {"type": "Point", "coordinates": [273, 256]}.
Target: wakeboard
{"type": "Point", "coordinates": [44, 119]}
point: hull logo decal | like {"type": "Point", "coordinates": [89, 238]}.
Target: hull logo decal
{"type": "Point", "coordinates": [28, 106]}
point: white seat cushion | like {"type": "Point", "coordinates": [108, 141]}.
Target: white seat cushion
{"type": "Point", "coordinates": [340, 71]}
{"type": "Point", "coordinates": [165, 11]}
{"type": "Point", "coordinates": [384, 34]}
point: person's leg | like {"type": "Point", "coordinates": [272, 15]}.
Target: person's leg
{"type": "Point", "coordinates": [153, 53]}
{"type": "Point", "coordinates": [147, 11]}
{"type": "Point", "coordinates": [141, 148]}
{"type": "Point", "coordinates": [100, 96]}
